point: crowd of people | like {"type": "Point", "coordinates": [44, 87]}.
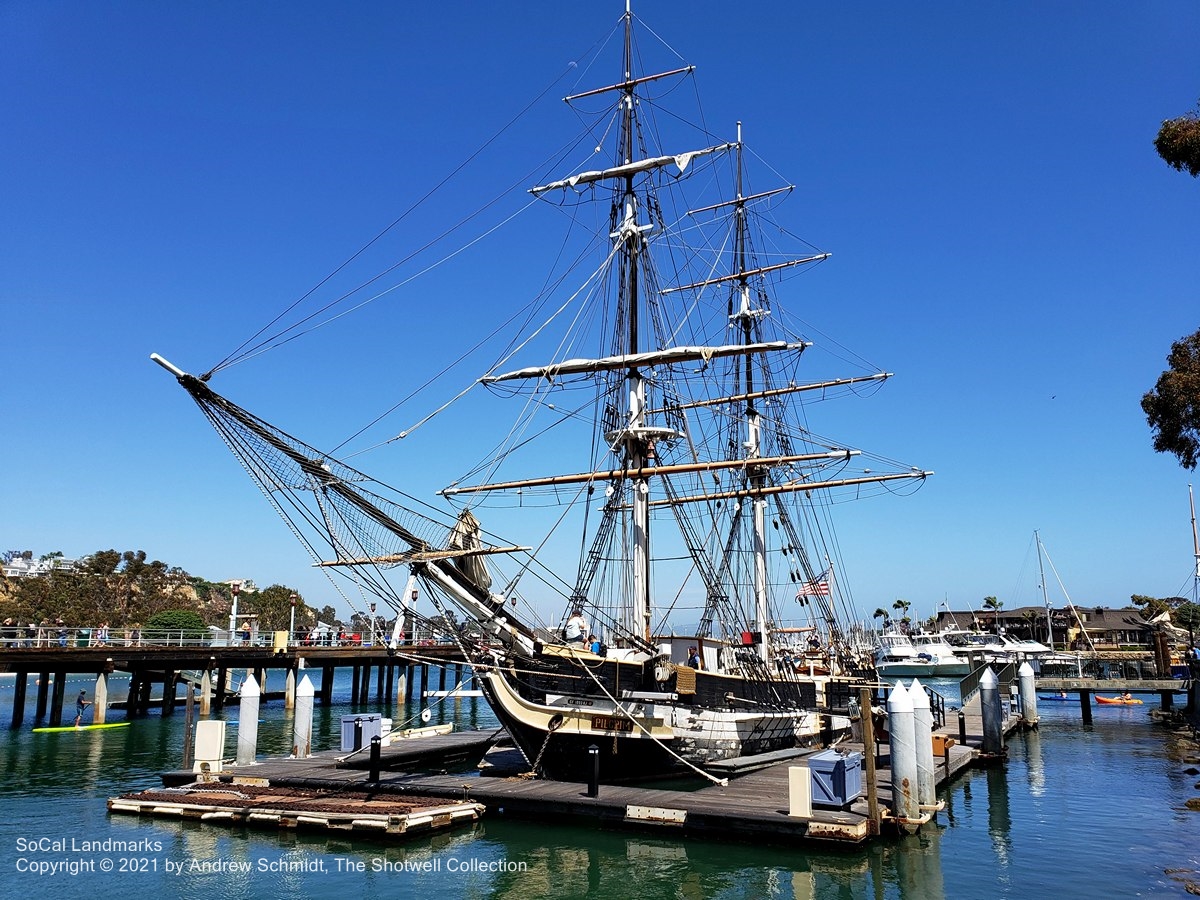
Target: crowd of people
{"type": "Point", "coordinates": [56, 633]}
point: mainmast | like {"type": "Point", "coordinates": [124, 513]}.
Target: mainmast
{"type": "Point", "coordinates": [745, 318]}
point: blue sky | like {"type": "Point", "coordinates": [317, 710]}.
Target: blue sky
{"type": "Point", "coordinates": [1004, 239]}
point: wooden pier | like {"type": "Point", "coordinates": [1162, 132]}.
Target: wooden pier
{"type": "Point", "coordinates": [397, 675]}
{"type": "Point", "coordinates": [753, 806]}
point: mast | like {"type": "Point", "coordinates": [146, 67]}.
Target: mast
{"type": "Point", "coordinates": [1195, 548]}
{"type": "Point", "coordinates": [1045, 596]}
{"type": "Point", "coordinates": [629, 234]}
{"type": "Point", "coordinates": [745, 319]}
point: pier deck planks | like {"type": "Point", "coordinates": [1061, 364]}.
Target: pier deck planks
{"type": "Point", "coordinates": [753, 806]}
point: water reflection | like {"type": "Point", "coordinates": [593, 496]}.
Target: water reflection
{"type": "Point", "coordinates": [999, 819]}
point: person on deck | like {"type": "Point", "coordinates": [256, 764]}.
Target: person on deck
{"type": "Point", "coordinates": [693, 658]}
{"type": "Point", "coordinates": [577, 627]}
{"type": "Point", "coordinates": [81, 703]}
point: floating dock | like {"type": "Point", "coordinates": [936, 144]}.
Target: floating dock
{"type": "Point", "coordinates": [751, 806]}
{"type": "Point", "coordinates": [267, 806]}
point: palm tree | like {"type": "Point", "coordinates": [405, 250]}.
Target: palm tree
{"type": "Point", "coordinates": [883, 614]}
{"type": "Point", "coordinates": [994, 605]}
{"type": "Point", "coordinates": [1032, 617]}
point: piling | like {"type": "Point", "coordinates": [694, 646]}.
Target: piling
{"type": "Point", "coordinates": [205, 693]}
{"type": "Point", "coordinates": [865, 706]}
{"type": "Point", "coordinates": [992, 712]}
{"type": "Point", "coordinates": [247, 739]}
{"type": "Point", "coordinates": [1027, 691]}
{"type": "Point", "coordinates": [100, 699]}
{"type": "Point", "coordinates": [43, 686]}
{"type": "Point", "coordinates": [302, 731]}
{"type": "Point", "coordinates": [189, 716]}
{"type": "Point", "coordinates": [56, 702]}
{"type": "Point", "coordinates": [923, 738]}
{"type": "Point", "coordinates": [222, 687]}
{"type": "Point", "coordinates": [289, 690]}
{"type": "Point", "coordinates": [18, 715]}
{"type": "Point", "coordinates": [901, 738]}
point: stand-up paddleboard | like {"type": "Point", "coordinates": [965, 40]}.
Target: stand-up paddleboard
{"type": "Point", "coordinates": [83, 727]}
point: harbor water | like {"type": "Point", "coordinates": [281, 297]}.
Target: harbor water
{"type": "Point", "coordinates": [1075, 812]}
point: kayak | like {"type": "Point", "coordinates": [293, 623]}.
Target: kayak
{"type": "Point", "coordinates": [1060, 699]}
{"type": "Point", "coordinates": [83, 727]}
{"type": "Point", "coordinates": [1119, 700]}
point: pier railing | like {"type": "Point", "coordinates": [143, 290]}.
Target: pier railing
{"type": "Point", "coordinates": [1006, 674]}
{"type": "Point", "coordinates": [48, 637]}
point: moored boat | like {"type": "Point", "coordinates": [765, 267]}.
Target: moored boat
{"type": "Point", "coordinates": [690, 422]}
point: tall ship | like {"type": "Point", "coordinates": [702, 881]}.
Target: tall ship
{"type": "Point", "coordinates": [672, 593]}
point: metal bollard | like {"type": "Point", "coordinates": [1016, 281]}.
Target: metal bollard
{"type": "Point", "coordinates": [376, 743]}
{"type": "Point", "coordinates": [962, 727]}
{"type": "Point", "coordinates": [358, 734]}
{"type": "Point", "coordinates": [594, 785]}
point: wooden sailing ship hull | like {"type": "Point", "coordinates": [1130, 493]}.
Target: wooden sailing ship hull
{"type": "Point", "coordinates": [636, 725]}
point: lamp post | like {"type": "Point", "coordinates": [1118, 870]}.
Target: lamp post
{"type": "Point", "coordinates": [292, 620]}
{"type": "Point", "coordinates": [371, 607]}
{"type": "Point", "coordinates": [235, 588]}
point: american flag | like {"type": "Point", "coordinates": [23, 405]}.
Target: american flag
{"type": "Point", "coordinates": [818, 587]}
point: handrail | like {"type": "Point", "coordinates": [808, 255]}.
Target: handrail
{"type": "Point", "coordinates": [1006, 674]}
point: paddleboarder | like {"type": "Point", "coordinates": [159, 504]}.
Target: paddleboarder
{"type": "Point", "coordinates": [81, 703]}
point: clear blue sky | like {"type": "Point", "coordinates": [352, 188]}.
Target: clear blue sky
{"type": "Point", "coordinates": [1005, 240]}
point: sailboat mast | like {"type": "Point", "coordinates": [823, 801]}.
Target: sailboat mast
{"type": "Point", "coordinates": [1045, 596]}
{"type": "Point", "coordinates": [1195, 548]}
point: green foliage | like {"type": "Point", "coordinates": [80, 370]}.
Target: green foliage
{"type": "Point", "coordinates": [1150, 606]}
{"type": "Point", "coordinates": [176, 620]}
{"type": "Point", "coordinates": [273, 606]}
{"type": "Point", "coordinates": [1172, 408]}
{"type": "Point", "coordinates": [1187, 615]}
{"type": "Point", "coordinates": [1178, 143]}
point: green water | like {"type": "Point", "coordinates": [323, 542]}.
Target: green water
{"type": "Point", "coordinates": [1075, 813]}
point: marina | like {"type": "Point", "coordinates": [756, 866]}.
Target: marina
{"type": "Point", "coordinates": [988, 840]}
{"type": "Point", "coordinates": [593, 461]}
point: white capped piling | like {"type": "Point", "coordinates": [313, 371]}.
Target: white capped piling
{"type": "Point", "coordinates": [302, 732]}
{"type": "Point", "coordinates": [902, 741]}
{"type": "Point", "coordinates": [1028, 693]}
{"type": "Point", "coordinates": [992, 711]}
{"type": "Point", "coordinates": [205, 693]}
{"type": "Point", "coordinates": [247, 740]}
{"type": "Point", "coordinates": [100, 696]}
{"type": "Point", "coordinates": [923, 738]}
{"type": "Point", "coordinates": [289, 690]}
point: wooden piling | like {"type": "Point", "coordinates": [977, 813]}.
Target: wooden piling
{"type": "Point", "coordinates": [43, 692]}
{"type": "Point", "coordinates": [327, 684]}
{"type": "Point", "coordinates": [868, 739]}
{"type": "Point", "coordinates": [222, 687]}
{"type": "Point", "coordinates": [18, 713]}
{"type": "Point", "coordinates": [168, 693]}
{"type": "Point", "coordinates": [56, 702]}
